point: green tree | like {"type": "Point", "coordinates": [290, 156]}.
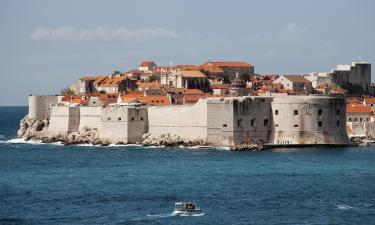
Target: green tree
{"type": "Point", "coordinates": [66, 91]}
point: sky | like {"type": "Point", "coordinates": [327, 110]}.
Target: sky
{"type": "Point", "coordinates": [47, 45]}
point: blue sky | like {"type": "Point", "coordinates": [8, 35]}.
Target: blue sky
{"type": "Point", "coordinates": [46, 45]}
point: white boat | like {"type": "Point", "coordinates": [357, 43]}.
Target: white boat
{"type": "Point", "coordinates": [185, 209]}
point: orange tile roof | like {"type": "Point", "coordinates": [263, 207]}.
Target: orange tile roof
{"type": "Point", "coordinates": [191, 99]}
{"type": "Point", "coordinates": [112, 82]}
{"type": "Point", "coordinates": [100, 79]}
{"type": "Point", "coordinates": [220, 86]}
{"type": "Point", "coordinates": [192, 73]}
{"type": "Point", "coordinates": [297, 78]}
{"type": "Point", "coordinates": [358, 108]}
{"type": "Point", "coordinates": [212, 69]}
{"type": "Point", "coordinates": [370, 100]}
{"type": "Point", "coordinates": [193, 92]}
{"type": "Point", "coordinates": [88, 78]}
{"type": "Point", "coordinates": [147, 84]}
{"type": "Point", "coordinates": [229, 64]}
{"type": "Point", "coordinates": [188, 67]}
{"type": "Point", "coordinates": [146, 63]}
{"type": "Point", "coordinates": [147, 100]}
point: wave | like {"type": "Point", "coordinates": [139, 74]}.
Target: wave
{"type": "Point", "coordinates": [154, 216]}
{"type": "Point", "coordinates": [22, 141]}
{"type": "Point", "coordinates": [32, 142]}
{"type": "Point", "coordinates": [343, 206]}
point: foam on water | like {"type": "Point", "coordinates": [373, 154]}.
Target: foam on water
{"type": "Point", "coordinates": [22, 141]}
{"type": "Point", "coordinates": [32, 142]}
{"type": "Point", "coordinates": [343, 206]}
{"type": "Point", "coordinates": [165, 215]}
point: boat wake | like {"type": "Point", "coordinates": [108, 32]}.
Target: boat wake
{"type": "Point", "coordinates": [198, 214]}
{"type": "Point", "coordinates": [155, 216]}
{"type": "Point", "coordinates": [172, 215]}
{"type": "Point", "coordinates": [343, 206]}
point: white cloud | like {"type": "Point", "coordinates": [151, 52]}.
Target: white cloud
{"type": "Point", "coordinates": [72, 33]}
{"type": "Point", "coordinates": [293, 30]}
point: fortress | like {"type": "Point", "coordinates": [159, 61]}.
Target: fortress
{"type": "Point", "coordinates": [215, 121]}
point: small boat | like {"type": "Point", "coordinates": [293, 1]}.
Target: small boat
{"type": "Point", "coordinates": [185, 209]}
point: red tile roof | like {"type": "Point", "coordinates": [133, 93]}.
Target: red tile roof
{"type": "Point", "coordinates": [88, 78]}
{"type": "Point", "coordinates": [146, 63]}
{"type": "Point", "coordinates": [112, 82]}
{"type": "Point", "coordinates": [297, 78]}
{"type": "Point", "coordinates": [147, 100]}
{"type": "Point", "coordinates": [369, 100]}
{"type": "Point", "coordinates": [358, 108]}
{"type": "Point", "coordinates": [220, 86]}
{"type": "Point", "coordinates": [229, 64]}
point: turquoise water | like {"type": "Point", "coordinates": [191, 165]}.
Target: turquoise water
{"type": "Point", "coordinates": [53, 184]}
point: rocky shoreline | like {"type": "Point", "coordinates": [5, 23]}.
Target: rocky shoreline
{"type": "Point", "coordinates": [34, 129]}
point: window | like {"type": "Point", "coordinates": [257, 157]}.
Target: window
{"type": "Point", "coordinates": [350, 119]}
{"type": "Point", "coordinates": [360, 119]}
{"type": "Point", "coordinates": [239, 123]}
{"type": "Point", "coordinates": [295, 112]}
{"type": "Point", "coordinates": [276, 125]}
{"type": "Point", "coordinates": [337, 112]}
{"type": "Point", "coordinates": [119, 118]}
{"type": "Point", "coordinates": [355, 119]}
{"type": "Point", "coordinates": [141, 118]}
{"type": "Point", "coordinates": [252, 122]}
{"type": "Point", "coordinates": [320, 123]}
{"type": "Point", "coordinates": [337, 123]}
{"type": "Point", "coordinates": [224, 125]}
{"type": "Point", "coordinates": [265, 122]}
{"type": "Point", "coordinates": [320, 112]}
{"type": "Point", "coordinates": [295, 125]}
{"type": "Point", "coordinates": [276, 112]}
{"type": "Point", "coordinates": [109, 118]}
{"type": "Point", "coordinates": [132, 118]}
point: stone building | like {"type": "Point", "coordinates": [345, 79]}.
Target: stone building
{"type": "Point", "coordinates": [309, 120]}
{"type": "Point", "coordinates": [216, 121]}
{"type": "Point", "coordinates": [147, 66]}
{"type": "Point", "coordinates": [188, 79]}
{"type": "Point", "coordinates": [358, 113]}
{"type": "Point", "coordinates": [238, 87]}
{"type": "Point", "coordinates": [116, 84]}
{"type": "Point", "coordinates": [296, 83]}
{"type": "Point", "coordinates": [370, 102]}
{"type": "Point", "coordinates": [231, 68]}
{"type": "Point", "coordinates": [355, 77]}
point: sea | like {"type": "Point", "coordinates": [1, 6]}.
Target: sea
{"type": "Point", "coordinates": [130, 184]}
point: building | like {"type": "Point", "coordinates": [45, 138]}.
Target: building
{"type": "Point", "coordinates": [358, 113]}
{"type": "Point", "coordinates": [220, 89]}
{"type": "Point", "coordinates": [116, 84]}
{"type": "Point", "coordinates": [85, 85]}
{"type": "Point", "coordinates": [147, 66]}
{"type": "Point", "coordinates": [359, 121]}
{"type": "Point", "coordinates": [369, 102]}
{"type": "Point", "coordinates": [231, 68]}
{"type": "Point", "coordinates": [216, 121]}
{"type": "Point", "coordinates": [188, 79]}
{"type": "Point", "coordinates": [238, 87]}
{"type": "Point", "coordinates": [296, 83]}
{"type": "Point", "coordinates": [356, 78]}
{"type": "Point", "coordinates": [318, 79]}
